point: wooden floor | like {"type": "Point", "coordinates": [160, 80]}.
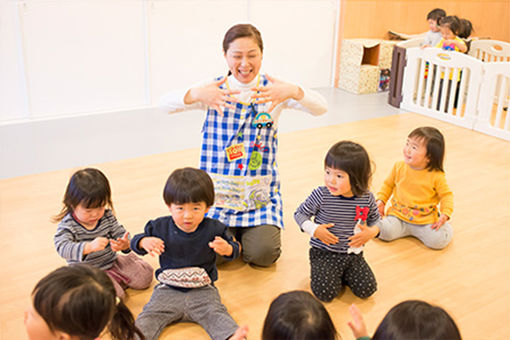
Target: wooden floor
{"type": "Point", "coordinates": [470, 278]}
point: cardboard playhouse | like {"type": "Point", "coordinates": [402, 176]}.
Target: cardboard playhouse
{"type": "Point", "coordinates": [365, 65]}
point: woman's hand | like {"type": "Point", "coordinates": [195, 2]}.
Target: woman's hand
{"type": "Point", "coordinates": [276, 92]}
{"type": "Point", "coordinates": [212, 96]}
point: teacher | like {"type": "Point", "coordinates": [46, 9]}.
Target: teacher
{"type": "Point", "coordinates": [240, 141]}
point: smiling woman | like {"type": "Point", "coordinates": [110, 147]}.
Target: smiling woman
{"type": "Point", "coordinates": [240, 141]}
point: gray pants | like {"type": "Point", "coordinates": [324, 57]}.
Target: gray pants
{"type": "Point", "coordinates": [392, 228]}
{"type": "Point", "coordinates": [200, 305]}
{"type": "Point", "coordinates": [261, 245]}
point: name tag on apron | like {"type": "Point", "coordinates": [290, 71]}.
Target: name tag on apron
{"type": "Point", "coordinates": [235, 152]}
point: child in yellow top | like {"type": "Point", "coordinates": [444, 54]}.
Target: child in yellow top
{"type": "Point", "coordinates": [450, 27]}
{"type": "Point", "coordinates": [416, 186]}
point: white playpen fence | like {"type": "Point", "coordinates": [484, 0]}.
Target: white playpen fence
{"type": "Point", "coordinates": [472, 91]}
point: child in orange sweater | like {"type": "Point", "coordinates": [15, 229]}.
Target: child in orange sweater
{"type": "Point", "coordinates": [416, 186]}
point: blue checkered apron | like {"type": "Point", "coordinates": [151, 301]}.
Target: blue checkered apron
{"type": "Point", "coordinates": [235, 127]}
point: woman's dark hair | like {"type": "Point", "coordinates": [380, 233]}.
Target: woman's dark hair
{"type": "Point", "coordinates": [297, 315]}
{"type": "Point", "coordinates": [189, 185]}
{"type": "Point", "coordinates": [466, 28]}
{"type": "Point", "coordinates": [90, 187]}
{"type": "Point", "coordinates": [80, 300]}
{"type": "Point", "coordinates": [417, 320]}
{"type": "Point", "coordinates": [353, 159]}
{"type": "Point", "coordinates": [452, 22]}
{"type": "Point", "coordinates": [434, 141]}
{"type": "Point", "coordinates": [436, 14]}
{"type": "Point", "coordinates": [242, 31]}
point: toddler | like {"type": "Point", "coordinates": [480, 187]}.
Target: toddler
{"type": "Point", "coordinates": [336, 256]}
{"type": "Point", "coordinates": [433, 36]}
{"type": "Point", "coordinates": [89, 233]}
{"type": "Point", "coordinates": [78, 302]}
{"type": "Point", "coordinates": [187, 244]}
{"type": "Point", "coordinates": [416, 186]}
{"type": "Point", "coordinates": [450, 28]}
{"type": "Point", "coordinates": [297, 315]}
{"type": "Point", "coordinates": [412, 319]}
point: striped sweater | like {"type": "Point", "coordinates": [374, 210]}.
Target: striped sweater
{"type": "Point", "coordinates": [71, 237]}
{"type": "Point", "coordinates": [341, 211]}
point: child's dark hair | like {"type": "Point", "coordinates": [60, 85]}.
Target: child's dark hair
{"type": "Point", "coordinates": [452, 22]}
{"type": "Point", "coordinates": [466, 28]}
{"type": "Point", "coordinates": [88, 187]}
{"type": "Point", "coordinates": [436, 14]}
{"type": "Point", "coordinates": [189, 185]}
{"type": "Point", "coordinates": [242, 31]}
{"type": "Point", "coordinates": [297, 315]}
{"type": "Point", "coordinates": [435, 144]}
{"type": "Point", "coordinates": [80, 300]}
{"type": "Point", "coordinates": [353, 159]}
{"type": "Point", "coordinates": [417, 320]}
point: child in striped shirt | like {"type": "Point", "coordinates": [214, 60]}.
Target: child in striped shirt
{"type": "Point", "coordinates": [344, 215]}
{"type": "Point", "coordinates": [89, 233]}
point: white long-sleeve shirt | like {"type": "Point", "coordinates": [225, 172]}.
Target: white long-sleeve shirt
{"type": "Point", "coordinates": [312, 102]}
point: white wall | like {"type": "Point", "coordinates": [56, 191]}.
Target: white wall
{"type": "Point", "coordinates": [86, 61]}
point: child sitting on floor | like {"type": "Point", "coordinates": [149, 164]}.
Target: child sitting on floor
{"type": "Point", "coordinates": [416, 185]}
{"type": "Point", "coordinates": [187, 244]}
{"type": "Point", "coordinates": [89, 233]}
{"type": "Point", "coordinates": [345, 217]}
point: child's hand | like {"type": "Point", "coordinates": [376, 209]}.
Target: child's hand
{"type": "Point", "coordinates": [99, 243]}
{"type": "Point", "coordinates": [240, 334]}
{"type": "Point", "coordinates": [366, 234]}
{"type": "Point", "coordinates": [323, 234]}
{"type": "Point", "coordinates": [152, 245]}
{"type": "Point", "coordinates": [276, 93]}
{"type": "Point", "coordinates": [424, 46]}
{"type": "Point", "coordinates": [211, 95]}
{"type": "Point", "coordinates": [357, 325]}
{"type": "Point", "coordinates": [439, 223]}
{"type": "Point", "coordinates": [122, 243]}
{"type": "Point", "coordinates": [220, 246]}
{"type": "Point", "coordinates": [380, 206]}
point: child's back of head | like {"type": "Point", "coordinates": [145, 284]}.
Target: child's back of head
{"type": "Point", "coordinates": [466, 28]}
{"type": "Point", "coordinates": [80, 301]}
{"type": "Point", "coordinates": [297, 315]}
{"type": "Point", "coordinates": [417, 320]}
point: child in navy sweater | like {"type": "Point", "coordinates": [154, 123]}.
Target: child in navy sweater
{"type": "Point", "coordinates": [187, 244]}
